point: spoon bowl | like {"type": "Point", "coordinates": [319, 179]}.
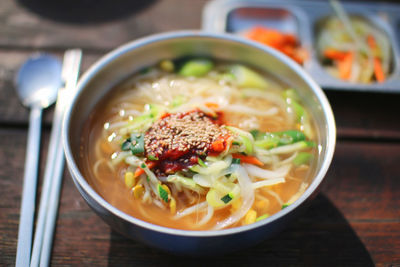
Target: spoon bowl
{"type": "Point", "coordinates": [37, 79]}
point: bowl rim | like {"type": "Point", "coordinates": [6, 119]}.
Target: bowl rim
{"type": "Point", "coordinates": [114, 54]}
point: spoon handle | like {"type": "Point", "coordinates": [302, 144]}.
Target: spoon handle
{"type": "Point", "coordinates": [29, 189]}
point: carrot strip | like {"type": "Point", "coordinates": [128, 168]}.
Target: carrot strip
{"type": "Point", "coordinates": [371, 41]}
{"type": "Point", "coordinates": [344, 66]}
{"type": "Point", "coordinates": [334, 54]}
{"type": "Point", "coordinates": [285, 42]}
{"type": "Point", "coordinates": [378, 70]}
{"type": "Point", "coordinates": [139, 171]}
{"type": "Point", "coordinates": [211, 105]}
{"type": "Point", "coordinates": [379, 74]}
{"type": "Point", "coordinates": [248, 159]}
{"type": "Point", "coordinates": [218, 145]}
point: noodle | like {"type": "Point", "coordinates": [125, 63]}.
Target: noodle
{"type": "Point", "coordinates": [199, 151]}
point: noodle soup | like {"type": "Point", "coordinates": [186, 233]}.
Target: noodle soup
{"type": "Point", "coordinates": [199, 145]}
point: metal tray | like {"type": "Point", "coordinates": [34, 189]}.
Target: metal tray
{"type": "Point", "coordinates": [302, 19]}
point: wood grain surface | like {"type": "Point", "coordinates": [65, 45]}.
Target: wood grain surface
{"type": "Point", "coordinates": [354, 221]}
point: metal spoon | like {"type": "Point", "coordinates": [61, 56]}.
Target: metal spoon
{"type": "Point", "coordinates": [37, 83]}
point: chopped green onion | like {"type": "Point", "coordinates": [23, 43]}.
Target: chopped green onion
{"type": "Point", "coordinates": [247, 144]}
{"type": "Point", "coordinates": [235, 161]}
{"type": "Point", "coordinates": [162, 192]}
{"type": "Point", "coordinates": [290, 137]}
{"type": "Point", "coordinates": [214, 199]}
{"type": "Point", "coordinates": [291, 93]}
{"type": "Point", "coordinates": [126, 145]}
{"type": "Point", "coordinates": [262, 217]}
{"type": "Point", "coordinates": [152, 157]}
{"type": "Point", "coordinates": [177, 101]}
{"type": "Point", "coordinates": [244, 138]}
{"type": "Point", "coordinates": [229, 77]}
{"type": "Point", "coordinates": [255, 133]}
{"type": "Point", "coordinates": [194, 168]}
{"type": "Point", "coordinates": [201, 163]}
{"type": "Point", "coordinates": [293, 103]}
{"type": "Point", "coordinates": [298, 110]}
{"type": "Point", "coordinates": [285, 205]}
{"type": "Point", "coordinates": [289, 148]}
{"type": "Point", "coordinates": [196, 67]}
{"type": "Point", "coordinates": [269, 140]}
{"type": "Point", "coordinates": [143, 166]}
{"type": "Point", "coordinates": [180, 180]}
{"type": "Point", "coordinates": [142, 122]}
{"type": "Point", "coordinates": [226, 198]}
{"type": "Point", "coordinates": [302, 158]}
{"type": "Point", "coordinates": [248, 78]}
{"type": "Point", "coordinates": [310, 144]}
{"type": "Point", "coordinates": [135, 144]}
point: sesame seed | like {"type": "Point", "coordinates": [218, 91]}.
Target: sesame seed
{"type": "Point", "coordinates": [191, 131]}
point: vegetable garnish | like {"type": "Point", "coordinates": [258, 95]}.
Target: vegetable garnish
{"type": "Point", "coordinates": [334, 54]}
{"type": "Point", "coordinates": [262, 217]}
{"type": "Point", "coordinates": [246, 77]}
{"type": "Point", "coordinates": [211, 105]}
{"type": "Point", "coordinates": [140, 170]}
{"type": "Point", "coordinates": [163, 193]}
{"type": "Point", "coordinates": [270, 140]}
{"type": "Point", "coordinates": [247, 159]}
{"type": "Point", "coordinates": [345, 66]}
{"type": "Point", "coordinates": [227, 198]}
{"type": "Point", "coordinates": [302, 158]}
{"type": "Point", "coordinates": [285, 205]}
{"type": "Point", "coordinates": [284, 42]}
{"type": "Point", "coordinates": [196, 67]}
{"type": "Point", "coordinates": [201, 162]}
{"type": "Point", "coordinates": [151, 157]}
{"type": "Point", "coordinates": [378, 70]}
{"type": "Point", "coordinates": [218, 145]}
{"type": "Point", "coordinates": [135, 144]}
{"type": "Point", "coordinates": [236, 161]}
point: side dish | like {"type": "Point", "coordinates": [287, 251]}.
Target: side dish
{"type": "Point", "coordinates": [284, 42]}
{"type": "Point", "coordinates": [352, 49]}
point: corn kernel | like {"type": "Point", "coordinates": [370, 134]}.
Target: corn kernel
{"type": "Point", "coordinates": [250, 217]}
{"type": "Point", "coordinates": [129, 179]}
{"type": "Point", "coordinates": [167, 65]}
{"type": "Point", "coordinates": [138, 191]}
{"type": "Point", "coordinates": [172, 206]}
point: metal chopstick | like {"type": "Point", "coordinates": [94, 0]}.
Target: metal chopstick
{"type": "Point", "coordinates": [54, 166]}
{"type": "Point", "coordinates": [29, 189]}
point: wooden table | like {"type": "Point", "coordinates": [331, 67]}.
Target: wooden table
{"type": "Point", "coordinates": [354, 221]}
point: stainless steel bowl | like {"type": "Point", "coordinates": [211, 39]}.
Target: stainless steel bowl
{"type": "Point", "coordinates": [127, 59]}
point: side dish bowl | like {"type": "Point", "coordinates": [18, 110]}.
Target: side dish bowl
{"type": "Point", "coordinates": [130, 58]}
